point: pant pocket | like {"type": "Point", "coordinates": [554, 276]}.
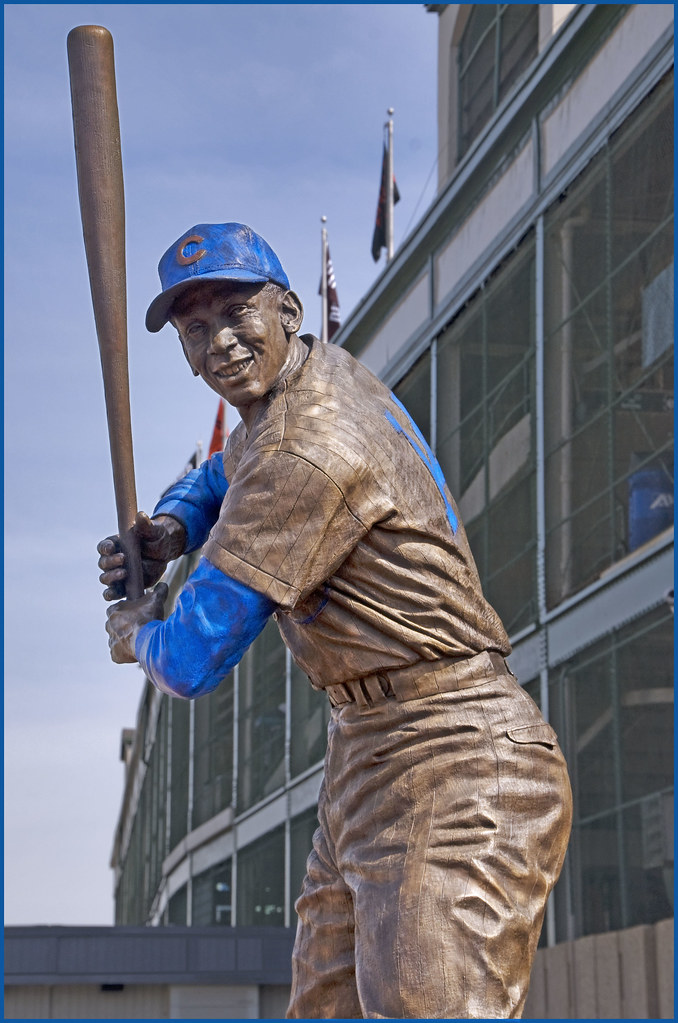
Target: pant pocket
{"type": "Point", "coordinates": [540, 733]}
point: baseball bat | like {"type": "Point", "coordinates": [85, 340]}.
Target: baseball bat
{"type": "Point", "coordinates": [96, 132]}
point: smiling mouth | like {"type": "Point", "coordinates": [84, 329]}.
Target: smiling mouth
{"type": "Point", "coordinates": [234, 369]}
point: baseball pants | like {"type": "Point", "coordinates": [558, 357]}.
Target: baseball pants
{"type": "Point", "coordinates": [444, 822]}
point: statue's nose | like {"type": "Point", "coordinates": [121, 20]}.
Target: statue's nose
{"type": "Point", "coordinates": [221, 341]}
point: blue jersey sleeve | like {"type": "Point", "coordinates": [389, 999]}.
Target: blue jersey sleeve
{"type": "Point", "coordinates": [196, 500]}
{"type": "Point", "coordinates": [213, 623]}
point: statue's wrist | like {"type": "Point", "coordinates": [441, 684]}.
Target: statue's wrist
{"type": "Point", "coordinates": [176, 535]}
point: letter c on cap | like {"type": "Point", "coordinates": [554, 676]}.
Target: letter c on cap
{"type": "Point", "coordinates": [185, 260]}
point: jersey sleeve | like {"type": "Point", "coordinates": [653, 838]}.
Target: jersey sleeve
{"type": "Point", "coordinates": [284, 527]}
{"type": "Point", "coordinates": [196, 499]}
{"type": "Point", "coordinates": [213, 623]}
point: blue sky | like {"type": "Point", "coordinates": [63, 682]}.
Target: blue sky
{"type": "Point", "coordinates": [270, 115]}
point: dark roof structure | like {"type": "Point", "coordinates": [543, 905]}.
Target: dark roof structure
{"type": "Point", "coordinates": [148, 955]}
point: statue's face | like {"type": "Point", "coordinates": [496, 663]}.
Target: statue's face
{"type": "Point", "coordinates": [233, 337]}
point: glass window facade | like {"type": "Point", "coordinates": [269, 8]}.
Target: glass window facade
{"type": "Point", "coordinates": [485, 434]}
{"type": "Point", "coordinates": [608, 490]}
{"type": "Point", "coordinates": [148, 840]}
{"type": "Point", "coordinates": [261, 718]}
{"type": "Point", "coordinates": [212, 903]}
{"type": "Point", "coordinates": [310, 713]}
{"type": "Point", "coordinates": [213, 753]}
{"type": "Point", "coordinates": [500, 41]}
{"type": "Point", "coordinates": [179, 712]}
{"type": "Point", "coordinates": [609, 354]}
{"type": "Point", "coordinates": [612, 706]}
{"type": "Point", "coordinates": [414, 391]}
{"type": "Point", "coordinates": [302, 829]}
{"type": "Point", "coordinates": [261, 882]}
{"type": "Point", "coordinates": [177, 908]}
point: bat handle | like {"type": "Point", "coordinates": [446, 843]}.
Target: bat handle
{"type": "Point", "coordinates": [134, 584]}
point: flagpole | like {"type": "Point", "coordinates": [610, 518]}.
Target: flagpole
{"type": "Point", "coordinates": [323, 280]}
{"type": "Point", "coordinates": [389, 188]}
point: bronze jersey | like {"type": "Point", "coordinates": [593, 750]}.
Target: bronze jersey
{"type": "Point", "coordinates": [338, 512]}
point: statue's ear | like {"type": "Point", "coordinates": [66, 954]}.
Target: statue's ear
{"type": "Point", "coordinates": [291, 312]}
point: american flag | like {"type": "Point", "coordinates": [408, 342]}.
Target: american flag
{"type": "Point", "coordinates": [333, 315]}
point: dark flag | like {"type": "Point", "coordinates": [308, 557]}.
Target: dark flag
{"type": "Point", "coordinates": [219, 434]}
{"type": "Point", "coordinates": [192, 463]}
{"type": "Point", "coordinates": [333, 315]}
{"type": "Point", "coordinates": [379, 236]}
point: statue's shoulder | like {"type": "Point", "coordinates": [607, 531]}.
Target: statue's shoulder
{"type": "Point", "coordinates": [234, 448]}
{"type": "Point", "coordinates": [336, 372]}
{"type": "Point", "coordinates": [332, 415]}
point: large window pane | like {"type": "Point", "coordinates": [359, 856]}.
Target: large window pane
{"type": "Point", "coordinates": [212, 897]}
{"type": "Point", "coordinates": [461, 388]}
{"type": "Point", "coordinates": [261, 882]}
{"type": "Point", "coordinates": [581, 522]}
{"type": "Point", "coordinates": [414, 391]}
{"type": "Point", "coordinates": [261, 718]}
{"type": "Point", "coordinates": [518, 43]}
{"type": "Point", "coordinates": [302, 829]}
{"type": "Point", "coordinates": [644, 664]}
{"type": "Point", "coordinates": [477, 90]}
{"type": "Point", "coordinates": [498, 44]}
{"type": "Point", "coordinates": [511, 586]}
{"type": "Point", "coordinates": [648, 857]}
{"type": "Point", "coordinates": [482, 20]}
{"type": "Point", "coordinates": [599, 901]}
{"type": "Point", "coordinates": [155, 784]}
{"type": "Point", "coordinates": [177, 907]}
{"type": "Point", "coordinates": [485, 432]}
{"type": "Point", "coordinates": [180, 711]}
{"type": "Point", "coordinates": [592, 712]}
{"type": "Point", "coordinates": [213, 753]}
{"type": "Point", "coordinates": [612, 707]}
{"type": "Point", "coordinates": [609, 354]}
{"type": "Point", "coordinates": [641, 185]}
{"type": "Point", "coordinates": [310, 715]}
{"type": "Point", "coordinates": [141, 861]}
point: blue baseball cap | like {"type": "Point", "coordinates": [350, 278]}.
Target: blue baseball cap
{"type": "Point", "coordinates": [213, 252]}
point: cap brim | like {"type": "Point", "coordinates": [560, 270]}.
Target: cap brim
{"type": "Point", "coordinates": [158, 311]}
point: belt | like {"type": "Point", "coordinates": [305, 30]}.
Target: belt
{"type": "Point", "coordinates": [425, 678]}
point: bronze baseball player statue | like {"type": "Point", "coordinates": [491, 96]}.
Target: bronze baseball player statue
{"type": "Point", "coordinates": [445, 808]}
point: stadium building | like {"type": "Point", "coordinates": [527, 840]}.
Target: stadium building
{"type": "Point", "coordinates": [527, 324]}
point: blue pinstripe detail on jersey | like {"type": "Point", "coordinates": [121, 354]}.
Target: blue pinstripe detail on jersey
{"type": "Point", "coordinates": [428, 458]}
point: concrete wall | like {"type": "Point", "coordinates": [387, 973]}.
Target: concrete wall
{"type": "Point", "coordinates": [621, 975]}
{"type": "Point", "coordinates": [86, 1001]}
{"type": "Point", "coordinates": [412, 310]}
{"type": "Point", "coordinates": [146, 1001]}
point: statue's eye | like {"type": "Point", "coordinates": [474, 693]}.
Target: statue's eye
{"type": "Point", "coordinates": [195, 330]}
